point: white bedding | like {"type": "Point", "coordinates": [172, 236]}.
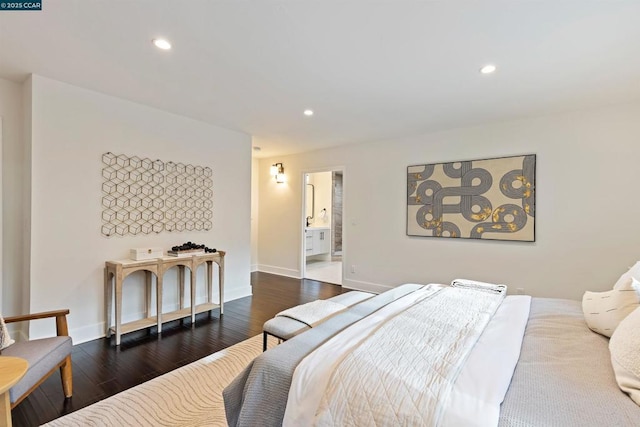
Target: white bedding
{"type": "Point", "coordinates": [485, 378]}
{"type": "Point", "coordinates": [475, 395]}
{"type": "Point", "coordinates": [303, 401]}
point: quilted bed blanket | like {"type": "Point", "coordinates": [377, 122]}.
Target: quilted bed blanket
{"type": "Point", "coordinates": [247, 403]}
{"type": "Point", "coordinates": [245, 400]}
{"type": "Point", "coordinates": [389, 369]}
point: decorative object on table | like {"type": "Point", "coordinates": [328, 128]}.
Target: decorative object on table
{"type": "Point", "coordinates": [144, 196]}
{"type": "Point", "coordinates": [477, 199]}
{"type": "Point", "coordinates": [138, 254]}
{"type": "Point", "coordinates": [189, 248]}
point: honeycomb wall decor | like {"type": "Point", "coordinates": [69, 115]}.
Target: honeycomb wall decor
{"type": "Point", "coordinates": [144, 196]}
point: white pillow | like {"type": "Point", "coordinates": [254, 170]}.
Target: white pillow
{"type": "Point", "coordinates": [603, 311]}
{"type": "Point", "coordinates": [624, 282]}
{"type": "Point", "coordinates": [625, 357]}
{"type": "Point", "coordinates": [5, 338]}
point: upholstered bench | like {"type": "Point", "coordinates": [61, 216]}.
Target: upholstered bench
{"type": "Point", "coordinates": [287, 324]}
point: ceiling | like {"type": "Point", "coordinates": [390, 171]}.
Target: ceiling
{"type": "Point", "coordinates": [369, 69]}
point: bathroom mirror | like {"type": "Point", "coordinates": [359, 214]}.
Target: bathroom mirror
{"type": "Point", "coordinates": [310, 202]}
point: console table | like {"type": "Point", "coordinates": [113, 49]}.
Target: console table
{"type": "Point", "coordinates": [116, 271]}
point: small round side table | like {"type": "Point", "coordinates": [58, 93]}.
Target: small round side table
{"type": "Point", "coordinates": [12, 369]}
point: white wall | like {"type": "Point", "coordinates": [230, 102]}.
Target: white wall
{"type": "Point", "coordinates": [23, 241]}
{"type": "Point", "coordinates": [586, 208]}
{"type": "Point", "coordinates": [71, 129]}
{"type": "Point", "coordinates": [1, 298]}
{"type": "Point", "coordinates": [11, 283]}
{"type": "Point", "coordinates": [255, 185]}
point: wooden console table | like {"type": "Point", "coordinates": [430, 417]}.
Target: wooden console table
{"type": "Point", "coordinates": [116, 271]}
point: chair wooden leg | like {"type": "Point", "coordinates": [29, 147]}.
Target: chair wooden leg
{"type": "Point", "coordinates": [67, 377]}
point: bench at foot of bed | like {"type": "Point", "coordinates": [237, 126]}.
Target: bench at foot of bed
{"type": "Point", "coordinates": [285, 328]}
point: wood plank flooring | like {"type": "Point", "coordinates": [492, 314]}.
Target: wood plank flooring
{"type": "Point", "coordinates": [100, 369]}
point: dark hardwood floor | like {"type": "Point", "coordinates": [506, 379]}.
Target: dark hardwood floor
{"type": "Point", "coordinates": [100, 369]}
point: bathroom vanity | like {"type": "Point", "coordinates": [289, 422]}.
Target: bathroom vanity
{"type": "Point", "coordinates": [317, 240]}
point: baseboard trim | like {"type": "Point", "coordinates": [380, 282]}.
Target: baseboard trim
{"type": "Point", "coordinates": [237, 293]}
{"type": "Point", "coordinates": [359, 285]}
{"type": "Point", "coordinates": [87, 333]}
{"type": "Point", "coordinates": [288, 272]}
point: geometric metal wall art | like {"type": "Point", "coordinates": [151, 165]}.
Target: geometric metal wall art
{"type": "Point", "coordinates": [477, 199]}
{"type": "Point", "coordinates": [143, 196]}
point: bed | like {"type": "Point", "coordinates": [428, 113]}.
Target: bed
{"type": "Point", "coordinates": [511, 361]}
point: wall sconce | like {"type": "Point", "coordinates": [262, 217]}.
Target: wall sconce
{"type": "Point", "coordinates": [277, 170]}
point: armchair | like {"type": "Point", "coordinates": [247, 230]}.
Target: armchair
{"type": "Point", "coordinates": [44, 356]}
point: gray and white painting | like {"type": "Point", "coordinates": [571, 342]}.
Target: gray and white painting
{"type": "Point", "coordinates": [476, 199]}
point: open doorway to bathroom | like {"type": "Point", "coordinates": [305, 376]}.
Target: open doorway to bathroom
{"type": "Point", "coordinates": [323, 247]}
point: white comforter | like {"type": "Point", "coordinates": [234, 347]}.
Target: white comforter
{"type": "Point", "coordinates": [407, 377]}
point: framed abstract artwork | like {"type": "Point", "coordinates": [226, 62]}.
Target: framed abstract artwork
{"type": "Point", "coordinates": [490, 199]}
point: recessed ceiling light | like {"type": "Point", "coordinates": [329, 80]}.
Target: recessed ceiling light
{"type": "Point", "coordinates": [256, 148]}
{"type": "Point", "coordinates": [308, 113]}
{"type": "Point", "coordinates": [162, 44]}
{"type": "Point", "coordinates": [488, 69]}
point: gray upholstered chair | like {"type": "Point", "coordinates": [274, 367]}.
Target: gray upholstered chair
{"type": "Point", "coordinates": [44, 356]}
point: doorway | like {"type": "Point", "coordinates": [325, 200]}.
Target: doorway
{"type": "Point", "coordinates": [322, 231]}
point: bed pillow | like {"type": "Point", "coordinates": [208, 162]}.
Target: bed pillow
{"type": "Point", "coordinates": [624, 282]}
{"type": "Point", "coordinates": [603, 311]}
{"type": "Point", "coordinates": [5, 338]}
{"type": "Point", "coordinates": [625, 357]}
